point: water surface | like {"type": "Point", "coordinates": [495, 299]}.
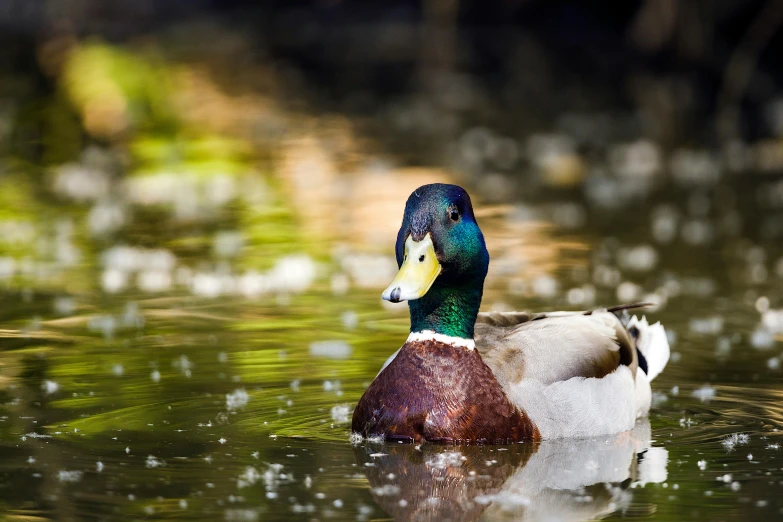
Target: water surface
{"type": "Point", "coordinates": [188, 316]}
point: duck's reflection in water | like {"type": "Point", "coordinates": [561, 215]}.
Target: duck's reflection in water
{"type": "Point", "coordinates": [554, 480]}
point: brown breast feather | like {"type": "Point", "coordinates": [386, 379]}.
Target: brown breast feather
{"type": "Point", "coordinates": [440, 393]}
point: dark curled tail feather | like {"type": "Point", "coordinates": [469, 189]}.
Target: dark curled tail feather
{"type": "Point", "coordinates": [621, 311]}
{"type": "Point", "coordinates": [617, 310]}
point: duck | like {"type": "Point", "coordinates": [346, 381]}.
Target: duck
{"type": "Point", "coordinates": [465, 377]}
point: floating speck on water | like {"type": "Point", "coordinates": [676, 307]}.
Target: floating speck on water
{"type": "Point", "coordinates": [665, 220]}
{"type": "Point", "coordinates": [708, 325]}
{"type": "Point", "coordinates": [183, 504]}
{"type": "Point", "coordinates": [642, 258]}
{"type": "Point", "coordinates": [237, 399]}
{"type": "Point", "coordinates": [69, 476]}
{"type": "Point", "coordinates": [581, 296]}
{"type": "Point", "coordinates": [183, 364]}
{"type": "Point", "coordinates": [50, 387]}
{"type": "Point", "coordinates": [446, 459]}
{"type": "Point", "coordinates": [675, 390]}
{"type": "Point", "coordinates": [628, 292]}
{"type": "Point", "coordinates": [99, 466]}
{"type": "Point", "coordinates": [299, 508]}
{"type": "Point", "coordinates": [705, 393]}
{"type": "Point", "coordinates": [294, 273]}
{"type": "Point", "coordinates": [698, 232]}
{"type": "Point", "coordinates": [735, 486]}
{"type": "Point", "coordinates": [356, 438]}
{"type": "Point", "coordinates": [64, 305]}
{"type": "Point", "coordinates": [7, 267]}
{"type": "Point", "coordinates": [350, 320]}
{"type": "Point", "coordinates": [255, 454]}
{"type": "Point", "coordinates": [723, 347]}
{"type": "Point", "coordinates": [772, 320]}
{"type": "Point", "coordinates": [773, 363]}
{"type": "Point", "coordinates": [331, 385]}
{"type": "Point", "coordinates": [153, 281]}
{"type": "Point", "coordinates": [337, 503]}
{"type": "Point", "coordinates": [340, 284]}
{"type": "Point", "coordinates": [762, 339]}
{"type": "Point", "coordinates": [750, 456]}
{"type": "Point", "coordinates": [250, 476]}
{"type": "Point", "coordinates": [608, 277]}
{"type": "Point", "coordinates": [127, 450]}
{"type": "Point", "coordinates": [113, 280]}
{"type": "Point", "coordinates": [331, 349]}
{"type": "Point", "coordinates": [308, 482]}
{"type": "Point", "coordinates": [775, 446]}
{"type": "Point", "coordinates": [34, 435]}
{"type": "Point", "coordinates": [761, 503]}
{"type": "Point", "coordinates": [152, 462]}
{"type": "Point", "coordinates": [702, 464]}
{"type": "Point", "coordinates": [31, 460]}
{"type": "Point", "coordinates": [545, 286]}
{"type": "Point", "coordinates": [222, 357]}
{"type": "Point", "coordinates": [735, 439]}
{"type": "Point", "coordinates": [725, 478]}
{"type": "Point", "coordinates": [222, 440]}
{"type": "Point", "coordinates": [387, 490]}
{"type": "Point", "coordinates": [118, 370]}
{"type": "Point", "coordinates": [227, 243]}
{"type": "Point", "coordinates": [81, 182]}
{"type": "Point", "coordinates": [155, 376]}
{"type": "Point", "coordinates": [295, 385]}
{"type": "Point", "coordinates": [341, 413]}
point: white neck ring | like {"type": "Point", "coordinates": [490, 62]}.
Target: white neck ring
{"type": "Point", "coordinates": [429, 335]}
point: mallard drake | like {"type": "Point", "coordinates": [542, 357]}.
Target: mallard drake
{"type": "Point", "coordinates": [469, 377]}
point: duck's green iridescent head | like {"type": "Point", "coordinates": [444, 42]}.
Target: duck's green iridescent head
{"type": "Point", "coordinates": [443, 261]}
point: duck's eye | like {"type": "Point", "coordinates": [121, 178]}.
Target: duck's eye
{"type": "Point", "coordinates": [453, 214]}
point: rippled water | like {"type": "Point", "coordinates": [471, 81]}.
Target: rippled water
{"type": "Point", "coordinates": [197, 401]}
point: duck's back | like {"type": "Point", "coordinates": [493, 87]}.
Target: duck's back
{"type": "Point", "coordinates": [555, 346]}
{"type": "Point", "coordinates": [577, 374]}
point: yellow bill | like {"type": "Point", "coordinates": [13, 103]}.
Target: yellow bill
{"type": "Point", "coordinates": [417, 273]}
